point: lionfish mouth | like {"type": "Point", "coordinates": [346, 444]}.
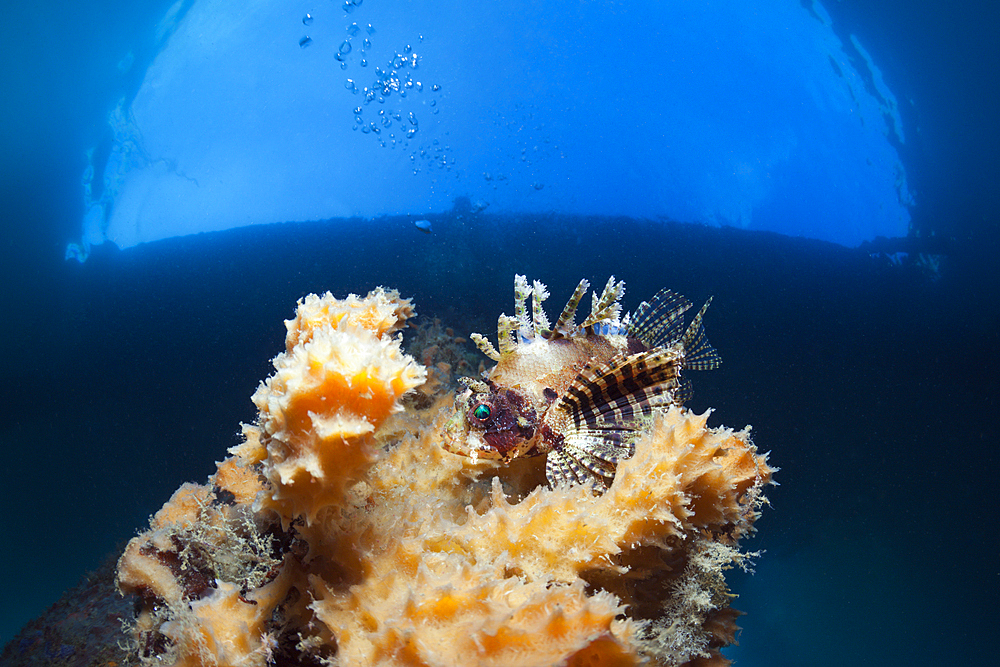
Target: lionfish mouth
{"type": "Point", "coordinates": [458, 437]}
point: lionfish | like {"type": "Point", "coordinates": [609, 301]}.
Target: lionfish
{"type": "Point", "coordinates": [578, 393]}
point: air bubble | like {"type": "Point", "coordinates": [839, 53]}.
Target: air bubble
{"type": "Point", "coordinates": [339, 56]}
{"type": "Point", "coordinates": [413, 119]}
{"type": "Point", "coordinates": [420, 86]}
{"type": "Point", "coordinates": [435, 88]}
{"type": "Point", "coordinates": [305, 41]}
{"type": "Point", "coordinates": [343, 65]}
{"type": "Point", "coordinates": [370, 29]}
{"type": "Point", "coordinates": [407, 49]}
{"type": "Point", "coordinates": [351, 86]}
{"type": "Point", "coordinates": [307, 19]}
{"type": "Point", "coordinates": [345, 46]}
{"type": "Point", "coordinates": [537, 185]}
{"type": "Point", "coordinates": [357, 110]}
{"type": "Point", "coordinates": [357, 3]}
{"type": "Point", "coordinates": [366, 45]}
{"type": "Point", "coordinates": [364, 62]}
{"type": "Point", "coordinates": [433, 103]}
{"type": "Point", "coordinates": [353, 29]}
{"type": "Point", "coordinates": [348, 6]}
{"type": "Point", "coordinates": [410, 132]}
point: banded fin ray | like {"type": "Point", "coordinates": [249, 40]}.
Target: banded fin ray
{"type": "Point", "coordinates": [601, 410]}
{"type": "Point", "coordinates": [658, 322]}
{"type": "Point", "coordinates": [507, 328]}
{"type": "Point", "coordinates": [539, 320]}
{"type": "Point", "coordinates": [521, 293]}
{"type": "Point", "coordinates": [584, 461]}
{"type": "Point", "coordinates": [564, 325]}
{"type": "Point", "coordinates": [485, 346]}
{"type": "Point", "coordinates": [622, 391]}
{"type": "Point", "coordinates": [610, 446]}
{"type": "Point", "coordinates": [561, 469]}
{"type": "Point", "coordinates": [606, 307]}
{"type": "Point", "coordinates": [699, 354]}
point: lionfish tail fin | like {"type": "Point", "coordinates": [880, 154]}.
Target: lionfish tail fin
{"type": "Point", "coordinates": [699, 354]}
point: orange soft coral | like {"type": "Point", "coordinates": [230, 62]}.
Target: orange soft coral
{"type": "Point", "coordinates": [337, 534]}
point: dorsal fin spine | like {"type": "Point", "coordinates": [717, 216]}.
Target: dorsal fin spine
{"type": "Point", "coordinates": [564, 324]}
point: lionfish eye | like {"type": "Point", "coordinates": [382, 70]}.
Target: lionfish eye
{"type": "Point", "coordinates": [481, 412]}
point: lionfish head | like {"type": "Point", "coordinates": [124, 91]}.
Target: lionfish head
{"type": "Point", "coordinates": [490, 422]}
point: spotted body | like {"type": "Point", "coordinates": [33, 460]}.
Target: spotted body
{"type": "Point", "coordinates": [578, 393]}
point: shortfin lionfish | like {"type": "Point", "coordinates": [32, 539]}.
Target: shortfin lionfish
{"type": "Point", "coordinates": [578, 393]}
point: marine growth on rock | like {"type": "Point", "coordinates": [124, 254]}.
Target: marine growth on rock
{"type": "Point", "coordinates": [354, 526]}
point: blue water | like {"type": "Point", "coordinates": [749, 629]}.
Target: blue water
{"type": "Point", "coordinates": [868, 373]}
{"type": "Point", "coordinates": [762, 116]}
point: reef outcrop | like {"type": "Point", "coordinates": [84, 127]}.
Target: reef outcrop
{"type": "Point", "coordinates": [342, 532]}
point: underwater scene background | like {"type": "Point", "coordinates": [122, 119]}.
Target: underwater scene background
{"type": "Point", "coordinates": [866, 366]}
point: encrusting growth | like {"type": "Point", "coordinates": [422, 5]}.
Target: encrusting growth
{"type": "Point", "coordinates": [342, 532]}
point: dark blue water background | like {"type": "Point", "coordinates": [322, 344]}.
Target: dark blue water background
{"type": "Point", "coordinates": [872, 384]}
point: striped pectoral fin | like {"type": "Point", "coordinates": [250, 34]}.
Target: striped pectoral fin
{"type": "Point", "coordinates": [622, 392]}
{"type": "Point", "coordinates": [588, 457]}
{"type": "Point", "coordinates": [601, 411]}
{"type": "Point", "coordinates": [562, 468]}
